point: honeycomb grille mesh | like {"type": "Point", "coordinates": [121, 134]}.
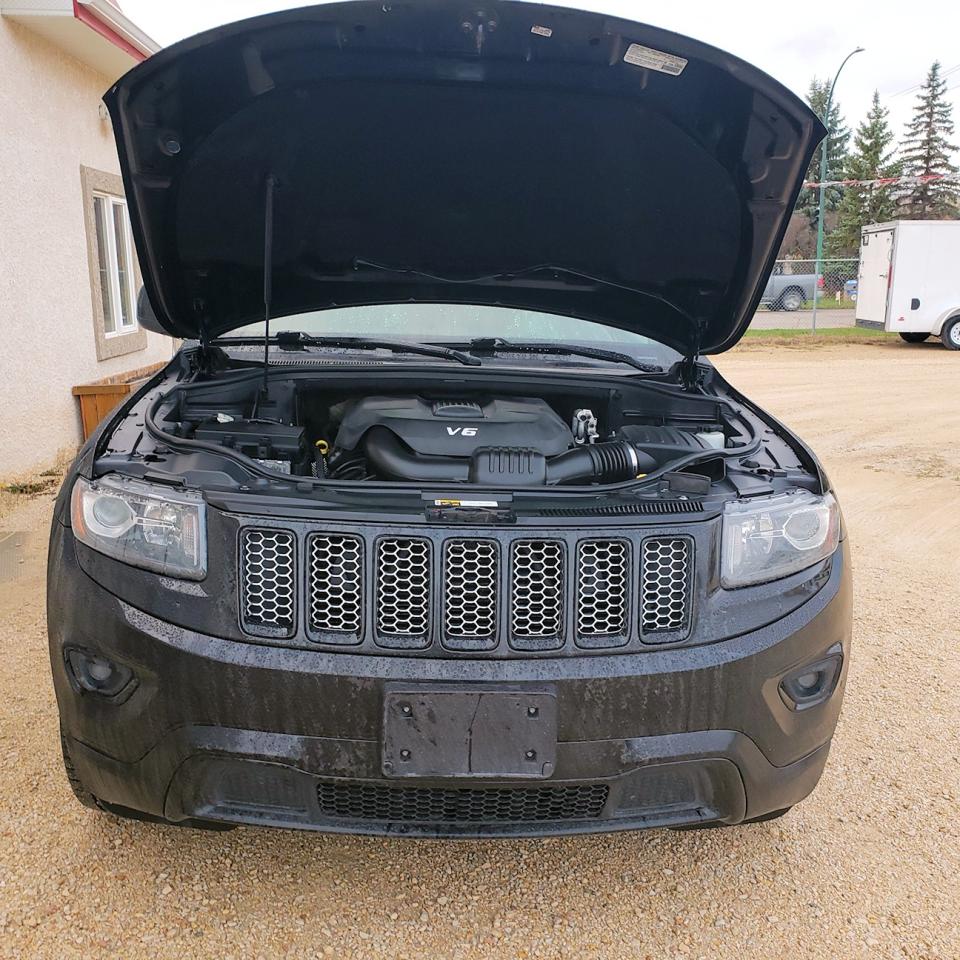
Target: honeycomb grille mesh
{"type": "Point", "coordinates": [268, 574]}
{"type": "Point", "coordinates": [602, 589]}
{"type": "Point", "coordinates": [335, 587]}
{"type": "Point", "coordinates": [403, 588]}
{"type": "Point", "coordinates": [471, 572]}
{"type": "Point", "coordinates": [355, 589]}
{"type": "Point", "coordinates": [536, 589]}
{"type": "Point", "coordinates": [361, 801]}
{"type": "Point", "coordinates": [665, 584]}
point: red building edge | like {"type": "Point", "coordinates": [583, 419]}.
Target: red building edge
{"type": "Point", "coordinates": [88, 17]}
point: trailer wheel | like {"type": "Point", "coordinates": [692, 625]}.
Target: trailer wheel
{"type": "Point", "coordinates": [792, 299]}
{"type": "Point", "coordinates": [950, 335]}
{"type": "Point", "coordinates": [917, 337]}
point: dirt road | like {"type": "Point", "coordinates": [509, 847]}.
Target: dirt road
{"type": "Point", "coordinates": [867, 867]}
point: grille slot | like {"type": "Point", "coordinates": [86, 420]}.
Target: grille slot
{"type": "Point", "coordinates": [666, 578]}
{"type": "Point", "coordinates": [362, 801]}
{"type": "Point", "coordinates": [268, 582]}
{"type": "Point", "coordinates": [403, 592]}
{"type": "Point", "coordinates": [536, 595]}
{"type": "Point", "coordinates": [335, 588]}
{"type": "Point", "coordinates": [471, 576]}
{"type": "Point", "coordinates": [602, 593]}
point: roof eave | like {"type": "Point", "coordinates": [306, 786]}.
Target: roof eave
{"type": "Point", "coordinates": [93, 31]}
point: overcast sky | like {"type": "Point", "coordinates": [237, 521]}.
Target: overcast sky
{"type": "Point", "coordinates": [792, 41]}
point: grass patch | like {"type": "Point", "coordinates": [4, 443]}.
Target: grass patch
{"type": "Point", "coordinates": [829, 303]}
{"type": "Point", "coordinates": [30, 488]}
{"type": "Point", "coordinates": [824, 335]}
{"type": "Point", "coordinates": [22, 488]}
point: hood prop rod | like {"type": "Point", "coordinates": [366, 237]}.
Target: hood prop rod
{"type": "Point", "coordinates": [688, 368]}
{"type": "Point", "coordinates": [271, 185]}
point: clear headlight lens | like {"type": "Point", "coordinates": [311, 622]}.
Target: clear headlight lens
{"type": "Point", "coordinates": [776, 536]}
{"type": "Point", "coordinates": [154, 527]}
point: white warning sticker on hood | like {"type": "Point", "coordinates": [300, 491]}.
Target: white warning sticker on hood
{"type": "Point", "coordinates": [641, 56]}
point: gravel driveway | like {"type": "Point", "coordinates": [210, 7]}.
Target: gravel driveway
{"type": "Point", "coordinates": [867, 867]}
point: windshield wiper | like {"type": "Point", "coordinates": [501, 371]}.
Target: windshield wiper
{"type": "Point", "coordinates": [291, 339]}
{"type": "Point", "coordinates": [498, 344]}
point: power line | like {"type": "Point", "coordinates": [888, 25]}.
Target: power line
{"type": "Point", "coordinates": [917, 86]}
{"type": "Point", "coordinates": [886, 181]}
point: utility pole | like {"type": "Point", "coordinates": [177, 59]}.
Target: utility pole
{"type": "Point", "coordinates": [823, 176]}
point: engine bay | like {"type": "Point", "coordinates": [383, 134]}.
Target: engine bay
{"type": "Point", "coordinates": [454, 434]}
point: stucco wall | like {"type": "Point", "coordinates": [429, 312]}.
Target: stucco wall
{"type": "Point", "coordinates": [49, 127]}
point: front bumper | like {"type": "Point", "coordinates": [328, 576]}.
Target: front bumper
{"type": "Point", "coordinates": [236, 732]}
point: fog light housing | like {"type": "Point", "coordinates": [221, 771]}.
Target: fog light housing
{"type": "Point", "coordinates": [812, 683]}
{"type": "Point", "coordinates": [93, 673]}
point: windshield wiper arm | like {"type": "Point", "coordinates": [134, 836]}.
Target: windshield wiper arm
{"type": "Point", "coordinates": [496, 344]}
{"type": "Point", "coordinates": [287, 339]}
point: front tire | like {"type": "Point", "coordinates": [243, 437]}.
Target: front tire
{"type": "Point", "coordinates": [76, 784]}
{"type": "Point", "coordinates": [917, 337]}
{"type": "Point", "coordinates": [791, 300]}
{"type": "Point", "coordinates": [950, 335]}
{"type": "Point", "coordinates": [772, 815]}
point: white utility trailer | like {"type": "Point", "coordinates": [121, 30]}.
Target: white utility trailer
{"type": "Point", "coordinates": [909, 280]}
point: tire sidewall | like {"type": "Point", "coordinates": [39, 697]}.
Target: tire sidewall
{"type": "Point", "coordinates": [951, 334]}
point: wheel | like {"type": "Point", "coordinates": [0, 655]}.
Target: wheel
{"type": "Point", "coordinates": [950, 335]}
{"type": "Point", "coordinates": [918, 337]}
{"type": "Point", "coordinates": [76, 784]}
{"type": "Point", "coordinates": [791, 300]}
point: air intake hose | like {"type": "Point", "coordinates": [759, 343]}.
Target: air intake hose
{"type": "Point", "coordinates": [610, 462]}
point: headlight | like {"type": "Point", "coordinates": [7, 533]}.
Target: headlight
{"type": "Point", "coordinates": [776, 536]}
{"type": "Point", "coordinates": [145, 525]}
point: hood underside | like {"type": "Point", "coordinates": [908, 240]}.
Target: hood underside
{"type": "Point", "coordinates": [523, 155]}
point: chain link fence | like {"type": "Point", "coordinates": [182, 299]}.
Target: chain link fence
{"type": "Point", "coordinates": [799, 297]}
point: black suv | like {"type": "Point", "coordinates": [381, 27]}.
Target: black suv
{"type": "Point", "coordinates": [440, 523]}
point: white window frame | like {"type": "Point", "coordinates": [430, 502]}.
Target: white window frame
{"type": "Point", "coordinates": [113, 268]}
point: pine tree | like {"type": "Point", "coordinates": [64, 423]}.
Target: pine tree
{"type": "Point", "coordinates": [836, 152]}
{"type": "Point", "coordinates": [871, 159]}
{"type": "Point", "coordinates": [927, 150]}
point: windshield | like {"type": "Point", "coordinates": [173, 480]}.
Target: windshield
{"type": "Point", "coordinates": [459, 323]}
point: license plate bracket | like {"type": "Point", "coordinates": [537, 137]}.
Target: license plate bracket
{"type": "Point", "coordinates": [464, 732]}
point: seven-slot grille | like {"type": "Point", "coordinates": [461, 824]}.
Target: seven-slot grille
{"type": "Point", "coordinates": [384, 591]}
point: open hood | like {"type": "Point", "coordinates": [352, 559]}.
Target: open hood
{"type": "Point", "coordinates": [422, 150]}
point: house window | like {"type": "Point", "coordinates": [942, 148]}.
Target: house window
{"type": "Point", "coordinates": [114, 262]}
{"type": "Point", "coordinates": [114, 276]}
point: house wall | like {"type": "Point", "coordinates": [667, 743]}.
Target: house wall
{"type": "Point", "coordinates": [49, 126]}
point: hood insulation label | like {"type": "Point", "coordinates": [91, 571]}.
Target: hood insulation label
{"type": "Point", "coordinates": [641, 56]}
